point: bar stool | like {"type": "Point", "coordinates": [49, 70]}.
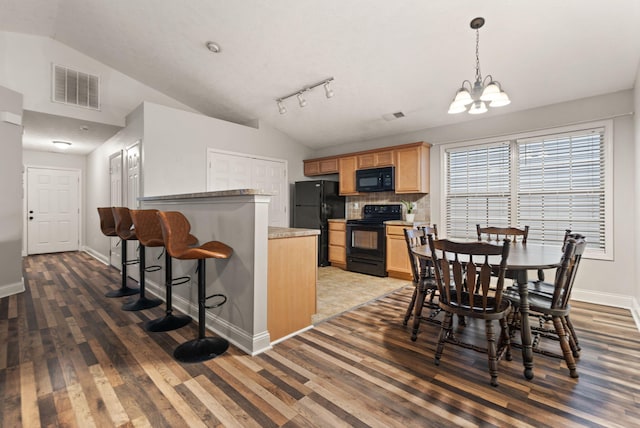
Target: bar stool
{"type": "Point", "coordinates": [108, 227]}
{"type": "Point", "coordinates": [127, 233]}
{"type": "Point", "coordinates": [149, 234]}
{"type": "Point", "coordinates": [175, 231]}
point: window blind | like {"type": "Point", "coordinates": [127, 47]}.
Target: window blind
{"type": "Point", "coordinates": [561, 185]}
{"type": "Point", "coordinates": [478, 188]}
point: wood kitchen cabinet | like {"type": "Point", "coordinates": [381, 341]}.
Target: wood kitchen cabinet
{"type": "Point", "coordinates": [412, 169]}
{"type": "Point", "coordinates": [337, 244]}
{"type": "Point", "coordinates": [398, 264]}
{"type": "Point", "coordinates": [376, 159]}
{"type": "Point", "coordinates": [320, 166]}
{"type": "Point", "coordinates": [291, 284]}
{"type": "Point", "coordinates": [347, 166]}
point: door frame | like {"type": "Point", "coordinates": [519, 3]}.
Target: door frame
{"type": "Point", "coordinates": [25, 194]}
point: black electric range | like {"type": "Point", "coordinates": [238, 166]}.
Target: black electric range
{"type": "Point", "coordinates": [366, 239]}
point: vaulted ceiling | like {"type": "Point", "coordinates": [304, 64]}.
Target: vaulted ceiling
{"type": "Point", "coordinates": [386, 56]}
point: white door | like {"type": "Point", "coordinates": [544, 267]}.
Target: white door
{"type": "Point", "coordinates": [115, 199]}
{"type": "Point", "coordinates": [133, 168]}
{"type": "Point", "coordinates": [52, 210]}
{"type": "Point", "coordinates": [271, 176]}
{"type": "Point", "coordinates": [227, 171]}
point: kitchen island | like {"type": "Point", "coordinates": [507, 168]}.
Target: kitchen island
{"type": "Point", "coordinates": [239, 218]}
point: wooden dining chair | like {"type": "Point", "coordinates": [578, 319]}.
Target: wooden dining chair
{"type": "Point", "coordinates": [547, 289]}
{"type": "Point", "coordinates": [497, 234]}
{"type": "Point", "coordinates": [555, 305]}
{"type": "Point", "coordinates": [423, 279]}
{"type": "Point", "coordinates": [463, 276]}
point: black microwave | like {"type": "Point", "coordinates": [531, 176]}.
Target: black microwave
{"type": "Point", "coordinates": [376, 179]}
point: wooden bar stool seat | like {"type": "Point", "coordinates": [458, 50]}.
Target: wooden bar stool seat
{"type": "Point", "coordinates": [124, 229]}
{"type": "Point", "coordinates": [108, 227]}
{"type": "Point", "coordinates": [149, 234]}
{"type": "Point", "coordinates": [175, 231]}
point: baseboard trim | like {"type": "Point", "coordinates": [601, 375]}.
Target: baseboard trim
{"type": "Point", "coordinates": [251, 344]}
{"type": "Point", "coordinates": [96, 255]}
{"type": "Point", "coordinates": [11, 289]}
{"type": "Point", "coordinates": [610, 299]}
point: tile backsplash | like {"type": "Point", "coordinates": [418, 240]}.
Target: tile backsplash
{"type": "Point", "coordinates": [355, 204]}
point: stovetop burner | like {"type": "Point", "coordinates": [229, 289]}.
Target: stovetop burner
{"type": "Point", "coordinates": [378, 214]}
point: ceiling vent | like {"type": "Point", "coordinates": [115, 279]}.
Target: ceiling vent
{"type": "Point", "coordinates": [393, 116]}
{"type": "Point", "coordinates": [75, 88]}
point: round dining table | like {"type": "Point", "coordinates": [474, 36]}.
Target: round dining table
{"type": "Point", "coordinates": [522, 258]}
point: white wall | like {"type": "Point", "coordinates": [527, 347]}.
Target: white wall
{"type": "Point", "coordinates": [98, 185]}
{"type": "Point", "coordinates": [11, 195]}
{"type": "Point", "coordinates": [26, 68]}
{"type": "Point", "coordinates": [607, 282]}
{"type": "Point", "coordinates": [175, 148]}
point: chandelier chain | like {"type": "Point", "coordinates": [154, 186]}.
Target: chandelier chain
{"type": "Point", "coordinates": [478, 75]}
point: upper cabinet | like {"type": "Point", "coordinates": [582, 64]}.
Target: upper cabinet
{"type": "Point", "coordinates": [412, 169]}
{"type": "Point", "coordinates": [347, 168]}
{"type": "Point", "coordinates": [322, 166]}
{"type": "Point", "coordinates": [410, 160]}
{"type": "Point", "coordinates": [376, 159]}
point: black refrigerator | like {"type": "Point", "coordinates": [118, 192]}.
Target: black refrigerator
{"type": "Point", "coordinates": [314, 203]}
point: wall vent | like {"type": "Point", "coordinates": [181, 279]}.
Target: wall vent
{"type": "Point", "coordinates": [75, 88]}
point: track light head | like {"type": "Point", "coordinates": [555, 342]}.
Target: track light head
{"type": "Point", "coordinates": [281, 108]}
{"type": "Point", "coordinates": [327, 89]}
{"type": "Point", "coordinates": [301, 101]}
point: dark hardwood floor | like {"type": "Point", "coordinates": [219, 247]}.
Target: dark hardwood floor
{"type": "Point", "coordinates": [71, 357]}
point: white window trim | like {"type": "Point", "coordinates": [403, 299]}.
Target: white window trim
{"type": "Point", "coordinates": [608, 175]}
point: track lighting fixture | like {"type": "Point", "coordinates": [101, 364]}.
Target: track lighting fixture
{"type": "Point", "coordinates": [300, 94]}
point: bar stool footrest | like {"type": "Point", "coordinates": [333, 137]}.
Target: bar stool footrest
{"type": "Point", "coordinates": [141, 303]}
{"type": "Point", "coordinates": [152, 268]}
{"type": "Point", "coordinates": [217, 305]}
{"type": "Point", "coordinates": [167, 323]}
{"type": "Point", "coordinates": [180, 280]}
{"type": "Point", "coordinates": [198, 350]}
{"type": "Point", "coordinates": [132, 262]}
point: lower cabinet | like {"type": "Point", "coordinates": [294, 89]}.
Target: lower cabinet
{"type": "Point", "coordinates": [337, 244]}
{"type": "Point", "coordinates": [398, 264]}
{"type": "Point", "coordinates": [291, 284]}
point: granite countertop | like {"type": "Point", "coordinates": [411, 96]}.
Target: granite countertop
{"type": "Point", "coordinates": [338, 220]}
{"type": "Point", "coordinates": [213, 194]}
{"type": "Point", "coordinates": [290, 232]}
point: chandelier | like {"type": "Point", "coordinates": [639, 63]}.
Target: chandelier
{"type": "Point", "coordinates": [476, 95]}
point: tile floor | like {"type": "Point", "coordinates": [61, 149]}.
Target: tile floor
{"type": "Point", "coordinates": [339, 291]}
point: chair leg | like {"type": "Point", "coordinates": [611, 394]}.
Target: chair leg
{"type": "Point", "coordinates": [491, 352]}
{"type": "Point", "coordinates": [412, 303]}
{"type": "Point", "coordinates": [124, 290]}
{"type": "Point", "coordinates": [169, 321]}
{"type": "Point", "coordinates": [573, 337]}
{"type": "Point", "coordinates": [505, 339]}
{"type": "Point", "coordinates": [566, 348]}
{"type": "Point", "coordinates": [445, 331]}
{"type": "Point", "coordinates": [417, 315]}
{"type": "Point", "coordinates": [203, 348]}
{"type": "Point", "coordinates": [143, 301]}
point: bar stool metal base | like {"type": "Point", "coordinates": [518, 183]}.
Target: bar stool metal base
{"type": "Point", "coordinates": [141, 303]}
{"type": "Point", "coordinates": [123, 291]}
{"type": "Point", "coordinates": [198, 350]}
{"type": "Point", "coordinates": [167, 323]}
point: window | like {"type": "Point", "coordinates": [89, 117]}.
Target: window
{"type": "Point", "coordinates": [550, 181]}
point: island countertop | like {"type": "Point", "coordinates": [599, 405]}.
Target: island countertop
{"type": "Point", "coordinates": [211, 194]}
{"type": "Point", "coordinates": [290, 232]}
